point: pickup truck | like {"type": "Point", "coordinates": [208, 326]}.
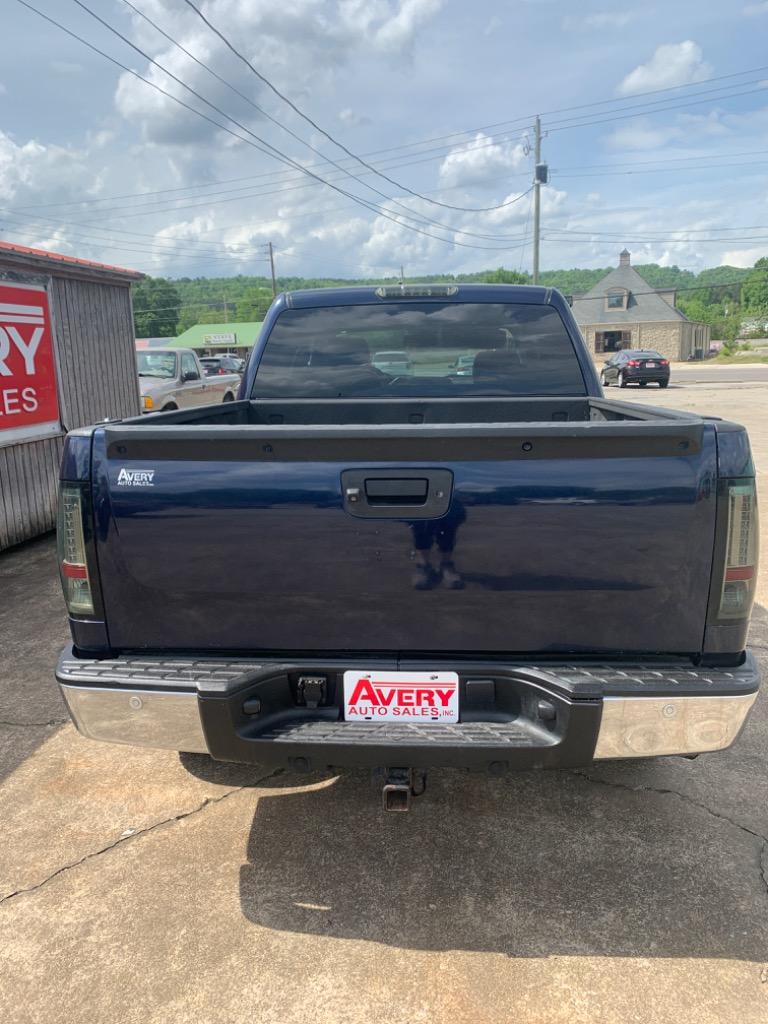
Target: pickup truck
{"type": "Point", "coordinates": [174, 378]}
{"type": "Point", "coordinates": [494, 571]}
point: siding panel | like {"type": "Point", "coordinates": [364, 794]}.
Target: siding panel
{"type": "Point", "coordinates": [95, 352]}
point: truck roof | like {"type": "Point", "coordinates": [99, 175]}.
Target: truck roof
{"type": "Point", "coordinates": [360, 295]}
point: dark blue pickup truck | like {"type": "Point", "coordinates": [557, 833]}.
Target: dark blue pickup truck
{"type": "Point", "coordinates": [469, 558]}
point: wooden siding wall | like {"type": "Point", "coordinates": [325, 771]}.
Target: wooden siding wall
{"type": "Point", "coordinates": [95, 353]}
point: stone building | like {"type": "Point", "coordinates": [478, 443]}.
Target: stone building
{"type": "Point", "coordinates": [624, 311]}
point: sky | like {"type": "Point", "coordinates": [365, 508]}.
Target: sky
{"type": "Point", "coordinates": [654, 122]}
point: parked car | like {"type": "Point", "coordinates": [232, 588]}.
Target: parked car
{"type": "Point", "coordinates": [396, 363]}
{"type": "Point", "coordinates": [464, 366]}
{"type": "Point", "coordinates": [172, 378]}
{"type": "Point", "coordinates": [221, 365]}
{"type": "Point", "coordinates": [636, 366]}
{"type": "Point", "coordinates": [494, 572]}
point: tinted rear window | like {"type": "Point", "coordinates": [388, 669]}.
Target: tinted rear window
{"type": "Point", "coordinates": [513, 349]}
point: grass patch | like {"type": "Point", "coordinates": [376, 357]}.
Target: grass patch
{"type": "Point", "coordinates": [738, 357]}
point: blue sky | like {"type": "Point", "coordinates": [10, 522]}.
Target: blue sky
{"type": "Point", "coordinates": [96, 163]}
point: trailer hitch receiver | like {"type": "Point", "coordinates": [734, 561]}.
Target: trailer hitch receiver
{"type": "Point", "coordinates": [399, 787]}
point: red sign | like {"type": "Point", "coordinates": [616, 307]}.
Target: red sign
{"type": "Point", "coordinates": [28, 399]}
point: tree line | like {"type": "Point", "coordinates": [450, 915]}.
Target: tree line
{"type": "Point", "coordinates": [733, 300]}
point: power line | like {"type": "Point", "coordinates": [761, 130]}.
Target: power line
{"type": "Point", "coordinates": [418, 218]}
{"type": "Point", "coordinates": [331, 138]}
{"type": "Point", "coordinates": [24, 231]}
{"type": "Point", "coordinates": [659, 110]}
{"type": "Point", "coordinates": [629, 237]}
{"type": "Point", "coordinates": [439, 150]}
{"type": "Point", "coordinates": [663, 170]}
{"type": "Point", "coordinates": [256, 252]}
{"type": "Point", "coordinates": [266, 114]}
{"type": "Point", "coordinates": [372, 207]}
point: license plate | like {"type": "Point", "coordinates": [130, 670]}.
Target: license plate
{"type": "Point", "coordinates": [401, 696]}
{"type": "Point", "coordinates": [651, 366]}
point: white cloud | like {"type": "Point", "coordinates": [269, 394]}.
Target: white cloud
{"type": "Point", "coordinates": [751, 10]}
{"type": "Point", "coordinates": [599, 21]}
{"type": "Point", "coordinates": [399, 29]}
{"type": "Point", "coordinates": [479, 161]}
{"type": "Point", "coordinates": [641, 134]}
{"type": "Point", "coordinates": [3, 89]}
{"type": "Point", "coordinates": [31, 172]}
{"type": "Point", "coordinates": [300, 46]}
{"type": "Point", "coordinates": [493, 26]}
{"type": "Point", "coordinates": [351, 117]}
{"type": "Point", "coordinates": [744, 257]}
{"type": "Point", "coordinates": [672, 64]}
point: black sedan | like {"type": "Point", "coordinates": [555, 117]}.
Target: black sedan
{"type": "Point", "coordinates": [215, 365]}
{"type": "Point", "coordinates": [636, 366]}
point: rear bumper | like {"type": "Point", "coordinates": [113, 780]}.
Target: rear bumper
{"type": "Point", "coordinates": [652, 376]}
{"type": "Point", "coordinates": [528, 715]}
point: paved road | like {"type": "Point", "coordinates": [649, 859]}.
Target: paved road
{"type": "Point", "coordinates": [707, 374]}
{"type": "Point", "coordinates": [137, 886]}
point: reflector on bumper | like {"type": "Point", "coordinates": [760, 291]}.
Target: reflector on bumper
{"type": "Point", "coordinates": [649, 726]}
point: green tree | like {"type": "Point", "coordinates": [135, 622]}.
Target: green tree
{"type": "Point", "coordinates": [502, 276]}
{"type": "Point", "coordinates": [754, 292]}
{"type": "Point", "coordinates": [155, 308]}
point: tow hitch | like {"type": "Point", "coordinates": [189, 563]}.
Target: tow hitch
{"type": "Point", "coordinates": [400, 785]}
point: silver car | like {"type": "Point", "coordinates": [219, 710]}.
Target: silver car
{"type": "Point", "coordinates": [395, 363]}
{"type": "Point", "coordinates": [172, 378]}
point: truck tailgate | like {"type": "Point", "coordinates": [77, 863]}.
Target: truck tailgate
{"type": "Point", "coordinates": [593, 537]}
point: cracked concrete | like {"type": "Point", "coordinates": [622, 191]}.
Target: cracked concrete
{"type": "Point", "coordinates": [143, 886]}
{"type": "Point", "coordinates": [695, 803]}
{"type": "Point", "coordinates": [129, 836]}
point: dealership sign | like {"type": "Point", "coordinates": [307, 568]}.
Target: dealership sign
{"type": "Point", "coordinates": [220, 339]}
{"type": "Point", "coordinates": [28, 401]}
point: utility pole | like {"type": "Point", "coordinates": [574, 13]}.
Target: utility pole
{"type": "Point", "coordinates": [272, 267]}
{"type": "Point", "coordinates": [536, 202]}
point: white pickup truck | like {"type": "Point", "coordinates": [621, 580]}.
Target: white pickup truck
{"type": "Point", "coordinates": [172, 378]}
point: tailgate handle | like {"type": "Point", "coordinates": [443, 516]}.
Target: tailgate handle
{"type": "Point", "coordinates": [395, 491]}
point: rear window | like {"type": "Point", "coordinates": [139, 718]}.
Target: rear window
{"type": "Point", "coordinates": [343, 351]}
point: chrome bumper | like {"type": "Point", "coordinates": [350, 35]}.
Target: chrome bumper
{"type": "Point", "coordinates": [650, 726]}
{"type": "Point", "coordinates": [149, 702]}
{"type": "Point", "coordinates": [163, 719]}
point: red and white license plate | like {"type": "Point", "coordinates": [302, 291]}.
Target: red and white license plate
{"type": "Point", "coordinates": [401, 696]}
{"type": "Point", "coordinates": [651, 366]}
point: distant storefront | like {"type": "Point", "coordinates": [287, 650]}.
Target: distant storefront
{"type": "Point", "coordinates": [213, 339]}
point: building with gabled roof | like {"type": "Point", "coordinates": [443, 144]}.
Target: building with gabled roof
{"type": "Point", "coordinates": [623, 311]}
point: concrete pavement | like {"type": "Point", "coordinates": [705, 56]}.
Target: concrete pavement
{"type": "Point", "coordinates": [141, 886]}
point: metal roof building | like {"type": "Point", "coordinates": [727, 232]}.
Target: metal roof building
{"type": "Point", "coordinates": [67, 359]}
{"type": "Point", "coordinates": [219, 337]}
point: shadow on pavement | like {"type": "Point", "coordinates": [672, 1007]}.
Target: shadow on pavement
{"type": "Point", "coordinates": [33, 629]}
{"type": "Point", "coordinates": [537, 864]}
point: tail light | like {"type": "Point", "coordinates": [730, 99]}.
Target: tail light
{"type": "Point", "coordinates": [663, 362]}
{"type": "Point", "coordinates": [223, 372]}
{"type": "Point", "coordinates": [633, 362]}
{"type": "Point", "coordinates": [70, 538]}
{"type": "Point", "coordinates": [740, 572]}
